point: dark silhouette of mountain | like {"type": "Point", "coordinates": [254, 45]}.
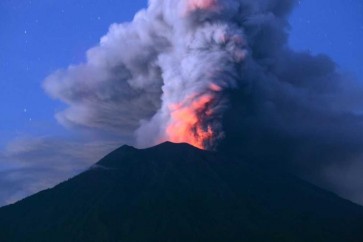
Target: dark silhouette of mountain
{"type": "Point", "coordinates": [175, 192]}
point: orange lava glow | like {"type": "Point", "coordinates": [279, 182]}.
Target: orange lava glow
{"type": "Point", "coordinates": [215, 87]}
{"type": "Point", "coordinates": [185, 125]}
{"type": "Point", "coordinates": [201, 4]}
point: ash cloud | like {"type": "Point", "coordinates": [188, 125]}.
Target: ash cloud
{"type": "Point", "coordinates": [272, 105]}
{"type": "Point", "coordinates": [29, 165]}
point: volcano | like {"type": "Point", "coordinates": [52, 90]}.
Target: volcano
{"type": "Point", "coordinates": [176, 192]}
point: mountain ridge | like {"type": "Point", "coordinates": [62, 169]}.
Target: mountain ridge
{"type": "Point", "coordinates": [176, 192]}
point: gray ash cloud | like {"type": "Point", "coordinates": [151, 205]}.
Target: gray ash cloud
{"type": "Point", "coordinates": [273, 105]}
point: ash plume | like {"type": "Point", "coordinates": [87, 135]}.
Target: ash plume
{"type": "Point", "coordinates": [218, 74]}
{"type": "Point", "coordinates": [168, 68]}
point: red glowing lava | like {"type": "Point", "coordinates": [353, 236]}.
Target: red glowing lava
{"type": "Point", "coordinates": [215, 87]}
{"type": "Point", "coordinates": [186, 124]}
{"type": "Point", "coordinates": [201, 4]}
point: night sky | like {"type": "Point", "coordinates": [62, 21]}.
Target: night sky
{"type": "Point", "coordinates": [39, 37]}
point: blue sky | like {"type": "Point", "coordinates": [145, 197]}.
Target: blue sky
{"type": "Point", "coordinates": [332, 27]}
{"type": "Point", "coordinates": [40, 37]}
{"type": "Point", "coordinates": [37, 38]}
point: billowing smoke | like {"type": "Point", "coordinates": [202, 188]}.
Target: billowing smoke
{"type": "Point", "coordinates": [218, 74]}
{"type": "Point", "coordinates": [161, 77]}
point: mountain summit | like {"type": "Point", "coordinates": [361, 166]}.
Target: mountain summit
{"type": "Point", "coordinates": [175, 192]}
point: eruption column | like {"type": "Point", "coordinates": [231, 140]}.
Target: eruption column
{"type": "Point", "coordinates": [185, 122]}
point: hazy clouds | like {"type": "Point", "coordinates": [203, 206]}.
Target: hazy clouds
{"type": "Point", "coordinates": [29, 165]}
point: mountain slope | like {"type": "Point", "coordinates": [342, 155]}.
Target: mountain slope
{"type": "Point", "coordinates": [175, 192]}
